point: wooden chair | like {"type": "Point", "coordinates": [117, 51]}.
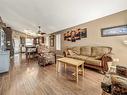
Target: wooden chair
{"type": "Point", "coordinates": [30, 51]}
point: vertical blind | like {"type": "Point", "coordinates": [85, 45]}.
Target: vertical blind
{"type": "Point", "coordinates": [58, 42]}
{"type": "Point", "coordinates": [47, 41]}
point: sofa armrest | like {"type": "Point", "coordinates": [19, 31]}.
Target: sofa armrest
{"type": "Point", "coordinates": [105, 59]}
{"type": "Point", "coordinates": [64, 54]}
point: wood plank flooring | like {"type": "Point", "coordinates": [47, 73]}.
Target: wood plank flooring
{"type": "Point", "coordinates": [30, 79]}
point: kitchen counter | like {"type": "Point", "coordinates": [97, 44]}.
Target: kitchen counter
{"type": "Point", "coordinates": [4, 61]}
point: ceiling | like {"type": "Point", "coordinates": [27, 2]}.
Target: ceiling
{"type": "Point", "coordinates": [55, 15]}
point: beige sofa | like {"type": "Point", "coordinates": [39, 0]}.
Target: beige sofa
{"type": "Point", "coordinates": [93, 56]}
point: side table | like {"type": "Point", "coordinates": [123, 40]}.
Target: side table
{"type": "Point", "coordinates": [112, 68]}
{"type": "Point", "coordinates": [106, 85]}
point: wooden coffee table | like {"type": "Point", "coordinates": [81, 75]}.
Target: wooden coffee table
{"type": "Point", "coordinates": [70, 61]}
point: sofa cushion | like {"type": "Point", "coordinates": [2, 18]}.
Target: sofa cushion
{"type": "Point", "coordinates": [76, 50]}
{"type": "Point", "coordinates": [79, 57]}
{"type": "Point", "coordinates": [85, 50]}
{"type": "Point", "coordinates": [98, 57]}
{"type": "Point", "coordinates": [100, 51]}
{"type": "Point", "coordinates": [93, 61]}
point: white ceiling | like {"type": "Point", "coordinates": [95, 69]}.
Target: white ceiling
{"type": "Point", "coordinates": [55, 15]}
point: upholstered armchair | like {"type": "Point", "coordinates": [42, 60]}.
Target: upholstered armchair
{"type": "Point", "coordinates": [45, 56]}
{"type": "Point", "coordinates": [117, 82]}
{"type": "Point", "coordinates": [119, 85]}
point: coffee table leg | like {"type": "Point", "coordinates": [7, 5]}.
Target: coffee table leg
{"type": "Point", "coordinates": [57, 66]}
{"type": "Point", "coordinates": [77, 73]}
{"type": "Point", "coordinates": [65, 66]}
{"type": "Point", "coordinates": [83, 69]}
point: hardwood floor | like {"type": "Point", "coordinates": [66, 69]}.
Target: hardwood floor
{"type": "Point", "coordinates": [30, 79]}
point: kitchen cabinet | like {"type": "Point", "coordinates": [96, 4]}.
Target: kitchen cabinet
{"type": "Point", "coordinates": [4, 61]}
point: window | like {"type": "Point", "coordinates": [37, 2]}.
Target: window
{"type": "Point", "coordinates": [58, 42]}
{"type": "Point", "coordinates": [2, 39]}
{"type": "Point", "coordinates": [47, 41]}
{"type": "Point", "coordinates": [29, 41]}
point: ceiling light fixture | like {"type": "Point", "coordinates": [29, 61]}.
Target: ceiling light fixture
{"type": "Point", "coordinates": [39, 31]}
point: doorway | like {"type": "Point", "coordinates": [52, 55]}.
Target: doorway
{"type": "Point", "coordinates": [16, 45]}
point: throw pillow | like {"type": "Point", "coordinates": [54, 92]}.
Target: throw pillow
{"type": "Point", "coordinates": [76, 50]}
{"type": "Point", "coordinates": [71, 52]}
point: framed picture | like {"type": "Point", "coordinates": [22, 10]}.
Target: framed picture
{"type": "Point", "coordinates": [114, 31]}
{"type": "Point", "coordinates": [73, 36]}
{"type": "Point", "coordinates": [67, 36]}
{"type": "Point", "coordinates": [77, 34]}
{"type": "Point", "coordinates": [83, 33]}
{"type": "Point", "coordinates": [52, 40]}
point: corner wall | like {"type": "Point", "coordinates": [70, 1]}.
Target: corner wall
{"type": "Point", "coordinates": [94, 35]}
